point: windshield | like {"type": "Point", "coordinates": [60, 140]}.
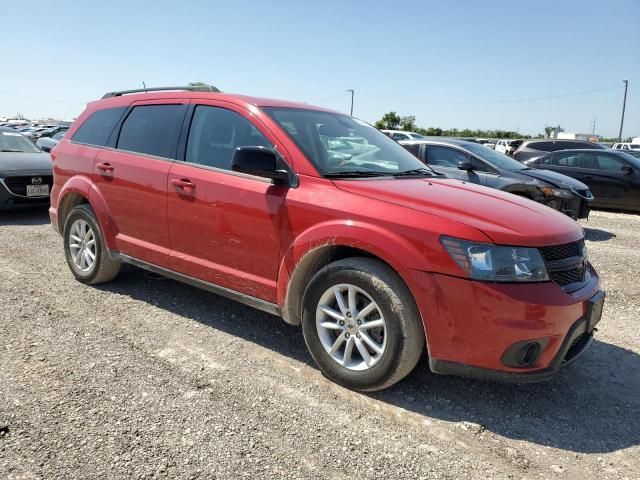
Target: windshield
{"type": "Point", "coordinates": [15, 142]}
{"type": "Point", "coordinates": [337, 143]}
{"type": "Point", "coordinates": [495, 158]}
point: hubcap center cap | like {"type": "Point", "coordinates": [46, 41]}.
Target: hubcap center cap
{"type": "Point", "coordinates": [351, 327]}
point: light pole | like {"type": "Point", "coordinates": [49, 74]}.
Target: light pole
{"type": "Point", "coordinates": [352, 93]}
{"type": "Point", "coordinates": [624, 104]}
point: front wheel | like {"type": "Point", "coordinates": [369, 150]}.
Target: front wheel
{"type": "Point", "coordinates": [361, 324]}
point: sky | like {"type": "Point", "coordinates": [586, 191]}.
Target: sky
{"type": "Point", "coordinates": [453, 64]}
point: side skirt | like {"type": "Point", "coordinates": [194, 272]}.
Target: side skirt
{"type": "Point", "coordinates": [254, 302]}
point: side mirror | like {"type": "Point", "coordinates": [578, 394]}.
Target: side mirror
{"type": "Point", "coordinates": [466, 165]}
{"type": "Point", "coordinates": [627, 170]}
{"type": "Point", "coordinates": [258, 161]}
{"type": "Point", "coordinates": [45, 148]}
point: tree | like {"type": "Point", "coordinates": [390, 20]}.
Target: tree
{"type": "Point", "coordinates": [408, 123]}
{"type": "Point", "coordinates": [389, 121]}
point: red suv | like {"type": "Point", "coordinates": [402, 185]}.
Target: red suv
{"type": "Point", "coordinates": [320, 218]}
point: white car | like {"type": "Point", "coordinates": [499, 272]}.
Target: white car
{"type": "Point", "coordinates": [402, 135]}
{"type": "Point", "coordinates": [507, 146]}
{"type": "Point", "coordinates": [626, 146]}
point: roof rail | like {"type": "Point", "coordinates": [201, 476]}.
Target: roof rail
{"type": "Point", "coordinates": [188, 88]}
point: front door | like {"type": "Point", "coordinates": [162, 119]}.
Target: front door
{"type": "Point", "coordinates": [224, 226]}
{"type": "Point", "coordinates": [132, 178]}
{"type": "Point", "coordinates": [609, 183]}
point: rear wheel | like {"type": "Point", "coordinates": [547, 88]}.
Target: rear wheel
{"type": "Point", "coordinates": [361, 325]}
{"type": "Point", "coordinates": [84, 247]}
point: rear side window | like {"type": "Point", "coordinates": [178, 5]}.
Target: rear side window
{"type": "Point", "coordinates": [152, 129]}
{"type": "Point", "coordinates": [414, 148]}
{"type": "Point", "coordinates": [97, 129]}
{"type": "Point", "coordinates": [571, 160]}
{"type": "Point", "coordinates": [542, 146]}
{"type": "Point", "coordinates": [444, 156]}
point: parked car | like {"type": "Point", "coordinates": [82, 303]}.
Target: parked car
{"type": "Point", "coordinates": [612, 175]}
{"type": "Point", "coordinates": [49, 132]}
{"type": "Point", "coordinates": [320, 218]}
{"type": "Point", "coordinates": [47, 143]}
{"type": "Point", "coordinates": [507, 146]}
{"type": "Point", "coordinates": [633, 153]}
{"type": "Point", "coordinates": [626, 146]}
{"type": "Point", "coordinates": [402, 135]}
{"type": "Point", "coordinates": [475, 163]}
{"type": "Point", "coordinates": [531, 149]}
{"type": "Point", "coordinates": [486, 142]}
{"type": "Point", "coordinates": [25, 172]}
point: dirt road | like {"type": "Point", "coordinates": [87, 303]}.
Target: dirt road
{"type": "Point", "coordinates": [147, 378]}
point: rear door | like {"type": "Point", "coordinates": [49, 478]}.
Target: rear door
{"type": "Point", "coordinates": [224, 226]}
{"type": "Point", "coordinates": [132, 178]}
{"type": "Point", "coordinates": [608, 182]}
{"type": "Point", "coordinates": [567, 163]}
{"type": "Point", "coordinates": [445, 160]}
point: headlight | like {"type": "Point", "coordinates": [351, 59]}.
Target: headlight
{"type": "Point", "coordinates": [556, 192]}
{"type": "Point", "coordinates": [496, 263]}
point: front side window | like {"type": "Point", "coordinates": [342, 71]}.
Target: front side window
{"type": "Point", "coordinates": [216, 132]}
{"type": "Point", "coordinates": [152, 129]}
{"type": "Point", "coordinates": [606, 162]}
{"type": "Point", "coordinates": [494, 158]}
{"type": "Point", "coordinates": [97, 129]}
{"type": "Point", "coordinates": [445, 156]}
{"type": "Point", "coordinates": [338, 144]}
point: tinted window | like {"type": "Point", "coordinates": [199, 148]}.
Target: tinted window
{"type": "Point", "coordinates": [494, 158]}
{"type": "Point", "coordinates": [215, 134]}
{"type": "Point", "coordinates": [400, 136]}
{"type": "Point", "coordinates": [414, 148]}
{"type": "Point", "coordinates": [444, 156]}
{"type": "Point", "coordinates": [566, 160]}
{"type": "Point", "coordinates": [603, 162]}
{"type": "Point", "coordinates": [97, 129]}
{"type": "Point", "coordinates": [152, 129]}
{"type": "Point", "coordinates": [543, 146]}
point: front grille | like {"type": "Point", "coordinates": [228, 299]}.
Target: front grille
{"type": "Point", "coordinates": [560, 265]}
{"type": "Point", "coordinates": [567, 277]}
{"type": "Point", "coordinates": [18, 185]}
{"type": "Point", "coordinates": [558, 252]}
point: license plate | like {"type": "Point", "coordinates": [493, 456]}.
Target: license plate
{"type": "Point", "coordinates": [37, 190]}
{"type": "Point", "coordinates": [594, 310]}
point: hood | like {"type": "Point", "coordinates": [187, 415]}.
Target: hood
{"type": "Point", "coordinates": [15, 162]}
{"type": "Point", "coordinates": [556, 179]}
{"type": "Point", "coordinates": [505, 218]}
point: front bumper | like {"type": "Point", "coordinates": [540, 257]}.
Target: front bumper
{"type": "Point", "coordinates": [575, 207]}
{"type": "Point", "coordinates": [470, 325]}
{"type": "Point", "coordinates": [9, 200]}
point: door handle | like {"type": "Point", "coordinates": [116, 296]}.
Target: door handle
{"type": "Point", "coordinates": [184, 183]}
{"type": "Point", "coordinates": [105, 167]}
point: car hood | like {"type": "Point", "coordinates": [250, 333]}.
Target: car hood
{"type": "Point", "coordinates": [505, 218]}
{"type": "Point", "coordinates": [13, 162]}
{"type": "Point", "coordinates": [556, 179]}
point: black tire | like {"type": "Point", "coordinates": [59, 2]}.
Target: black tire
{"type": "Point", "coordinates": [103, 269]}
{"type": "Point", "coordinates": [405, 337]}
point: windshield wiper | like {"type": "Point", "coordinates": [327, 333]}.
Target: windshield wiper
{"type": "Point", "coordinates": [356, 174]}
{"type": "Point", "coordinates": [415, 172]}
{"type": "Point", "coordinates": [9, 150]}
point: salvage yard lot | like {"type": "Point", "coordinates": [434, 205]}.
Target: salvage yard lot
{"type": "Point", "coordinates": [147, 378]}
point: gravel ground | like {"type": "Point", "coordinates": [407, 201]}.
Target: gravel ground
{"type": "Point", "coordinates": [147, 378]}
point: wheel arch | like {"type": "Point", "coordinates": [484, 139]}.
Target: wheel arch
{"type": "Point", "coordinates": [324, 244]}
{"type": "Point", "coordinates": [80, 190]}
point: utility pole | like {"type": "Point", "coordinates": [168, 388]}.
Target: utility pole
{"type": "Point", "coordinates": [593, 126]}
{"type": "Point", "coordinates": [352, 93]}
{"type": "Point", "coordinates": [624, 104]}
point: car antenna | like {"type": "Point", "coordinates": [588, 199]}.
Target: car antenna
{"type": "Point", "coordinates": [144, 85]}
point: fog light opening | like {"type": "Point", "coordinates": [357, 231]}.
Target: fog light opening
{"type": "Point", "coordinates": [529, 354]}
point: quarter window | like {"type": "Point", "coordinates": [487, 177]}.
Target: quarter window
{"type": "Point", "coordinates": [215, 134]}
{"type": "Point", "coordinates": [152, 129]}
{"type": "Point", "coordinates": [97, 129]}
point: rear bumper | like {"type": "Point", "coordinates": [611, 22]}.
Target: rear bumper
{"type": "Point", "coordinates": [471, 325]}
